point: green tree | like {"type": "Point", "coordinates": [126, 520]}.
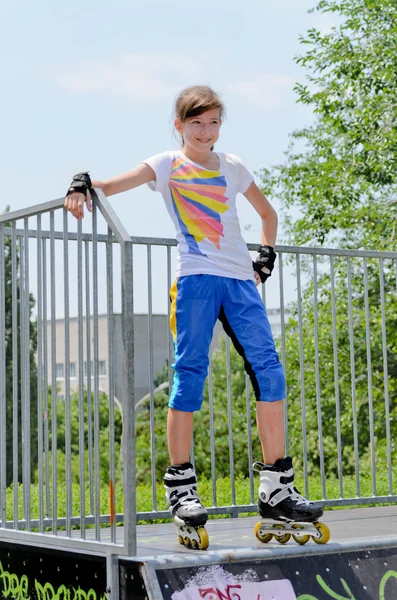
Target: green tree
{"type": "Point", "coordinates": [104, 439]}
{"type": "Point", "coordinates": [9, 370]}
{"type": "Point", "coordinates": [202, 424]}
{"type": "Point", "coordinates": [337, 185]}
{"type": "Point", "coordinates": [339, 174]}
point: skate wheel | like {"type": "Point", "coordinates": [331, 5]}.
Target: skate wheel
{"type": "Point", "coordinates": [325, 533]}
{"type": "Point", "coordinates": [187, 542]}
{"type": "Point", "coordinates": [262, 537]}
{"type": "Point", "coordinates": [282, 539]}
{"type": "Point", "coordinates": [302, 539]}
{"type": "Point", "coordinates": [204, 540]}
{"type": "Point", "coordinates": [181, 540]}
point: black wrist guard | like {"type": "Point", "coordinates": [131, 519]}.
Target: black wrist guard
{"type": "Point", "coordinates": [266, 258]}
{"type": "Point", "coordinates": [80, 184]}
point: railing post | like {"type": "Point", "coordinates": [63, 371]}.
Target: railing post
{"type": "Point", "coordinates": [129, 479]}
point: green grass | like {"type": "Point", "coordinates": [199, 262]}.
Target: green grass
{"type": "Point", "coordinates": [223, 488]}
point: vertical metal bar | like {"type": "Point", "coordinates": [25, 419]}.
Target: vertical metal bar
{"type": "Point", "coordinates": [263, 293]}
{"type": "Point", "coordinates": [302, 376]}
{"type": "Point", "coordinates": [3, 407]}
{"type": "Point", "coordinates": [230, 421]}
{"type": "Point", "coordinates": [129, 456]}
{"type": "Point", "coordinates": [27, 377]}
{"type": "Point", "coordinates": [249, 435]}
{"type": "Point", "coordinates": [317, 375]}
{"type": "Point", "coordinates": [23, 368]}
{"type": "Point", "coordinates": [151, 377]}
{"type": "Point", "coordinates": [110, 328]}
{"type": "Point", "coordinates": [369, 378]}
{"type": "Point", "coordinates": [170, 341]}
{"type": "Point", "coordinates": [386, 375]}
{"type": "Point", "coordinates": [88, 378]}
{"type": "Point", "coordinates": [54, 424]}
{"type": "Point", "coordinates": [283, 347]}
{"type": "Point", "coordinates": [45, 384]}
{"type": "Point", "coordinates": [68, 432]}
{"type": "Point", "coordinates": [15, 371]}
{"type": "Point", "coordinates": [40, 431]}
{"type": "Point", "coordinates": [353, 375]}
{"type": "Point", "coordinates": [336, 377]}
{"type": "Point", "coordinates": [80, 351]}
{"type": "Point", "coordinates": [212, 430]}
{"type": "Point", "coordinates": [97, 456]}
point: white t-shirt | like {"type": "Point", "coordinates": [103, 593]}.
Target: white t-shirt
{"type": "Point", "coordinates": [202, 205]}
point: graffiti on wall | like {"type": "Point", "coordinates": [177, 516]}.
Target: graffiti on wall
{"type": "Point", "coordinates": [361, 575]}
{"type": "Point", "coordinates": [18, 587]}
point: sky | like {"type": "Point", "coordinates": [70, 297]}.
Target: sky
{"type": "Point", "coordinates": [90, 85]}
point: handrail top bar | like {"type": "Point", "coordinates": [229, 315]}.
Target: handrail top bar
{"type": "Point", "coordinates": [151, 241]}
{"type": "Point", "coordinates": [103, 204]}
{"type": "Point", "coordinates": [122, 235]}
{"type": "Point", "coordinates": [32, 211]}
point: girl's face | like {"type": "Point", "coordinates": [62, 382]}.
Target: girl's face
{"type": "Point", "coordinates": [200, 133]}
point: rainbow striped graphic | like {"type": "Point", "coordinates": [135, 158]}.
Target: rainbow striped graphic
{"type": "Point", "coordinates": [199, 200]}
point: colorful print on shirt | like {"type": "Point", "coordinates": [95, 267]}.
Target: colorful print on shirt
{"type": "Point", "coordinates": [199, 200]}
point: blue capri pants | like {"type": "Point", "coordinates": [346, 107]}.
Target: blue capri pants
{"type": "Point", "coordinates": [197, 302]}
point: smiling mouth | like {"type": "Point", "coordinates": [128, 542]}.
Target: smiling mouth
{"type": "Point", "coordinates": [204, 141]}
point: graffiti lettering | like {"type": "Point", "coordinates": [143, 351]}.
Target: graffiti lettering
{"type": "Point", "coordinates": [17, 588]}
{"type": "Point", "coordinates": [47, 592]}
{"type": "Point", "coordinates": [335, 596]}
{"type": "Point", "coordinates": [385, 579]}
{"type": "Point", "coordinates": [217, 594]}
{"type": "Point", "coordinates": [13, 586]}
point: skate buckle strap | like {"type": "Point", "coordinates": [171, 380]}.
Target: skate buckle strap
{"type": "Point", "coordinates": [280, 496]}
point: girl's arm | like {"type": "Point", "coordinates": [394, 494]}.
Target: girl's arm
{"type": "Point", "coordinates": [122, 183]}
{"type": "Point", "coordinates": [267, 213]}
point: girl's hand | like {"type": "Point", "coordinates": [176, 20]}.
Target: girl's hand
{"type": "Point", "coordinates": [257, 279]}
{"type": "Point", "coordinates": [74, 203]}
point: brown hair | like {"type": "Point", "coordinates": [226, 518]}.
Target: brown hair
{"type": "Point", "coordinates": [196, 100]}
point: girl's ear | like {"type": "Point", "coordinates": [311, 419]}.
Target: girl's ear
{"type": "Point", "coordinates": [178, 125]}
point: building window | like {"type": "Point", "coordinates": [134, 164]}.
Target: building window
{"type": "Point", "coordinates": [101, 368]}
{"type": "Point", "coordinates": [60, 370]}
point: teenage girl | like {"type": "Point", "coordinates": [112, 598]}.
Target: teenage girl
{"type": "Point", "coordinates": [215, 279]}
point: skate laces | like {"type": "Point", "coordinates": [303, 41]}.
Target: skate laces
{"type": "Point", "coordinates": [297, 497]}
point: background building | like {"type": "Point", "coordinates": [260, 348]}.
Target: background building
{"type": "Point", "coordinates": [141, 346]}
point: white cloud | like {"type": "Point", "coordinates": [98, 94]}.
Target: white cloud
{"type": "Point", "coordinates": [146, 77]}
{"type": "Point", "coordinates": [266, 91]}
{"type": "Point", "coordinates": [141, 76]}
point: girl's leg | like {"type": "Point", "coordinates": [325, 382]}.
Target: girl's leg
{"type": "Point", "coordinates": [270, 423]}
{"type": "Point", "coordinates": [179, 434]}
{"type": "Point", "coordinates": [194, 311]}
{"type": "Point", "coordinates": [245, 320]}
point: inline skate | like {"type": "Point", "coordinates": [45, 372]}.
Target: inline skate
{"type": "Point", "coordinates": [283, 510]}
{"type": "Point", "coordinates": [189, 514]}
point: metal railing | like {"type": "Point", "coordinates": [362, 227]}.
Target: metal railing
{"type": "Point", "coordinates": [51, 442]}
{"type": "Point", "coordinates": [69, 469]}
{"type": "Point", "coordinates": [336, 309]}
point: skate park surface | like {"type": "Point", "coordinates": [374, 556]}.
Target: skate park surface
{"type": "Point", "coordinates": [358, 563]}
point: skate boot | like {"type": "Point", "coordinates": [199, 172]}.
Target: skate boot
{"type": "Point", "coordinates": [187, 511]}
{"type": "Point", "coordinates": [283, 510]}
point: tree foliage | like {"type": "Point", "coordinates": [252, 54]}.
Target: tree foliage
{"type": "Point", "coordinates": [9, 370]}
{"type": "Point", "coordinates": [339, 174]}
